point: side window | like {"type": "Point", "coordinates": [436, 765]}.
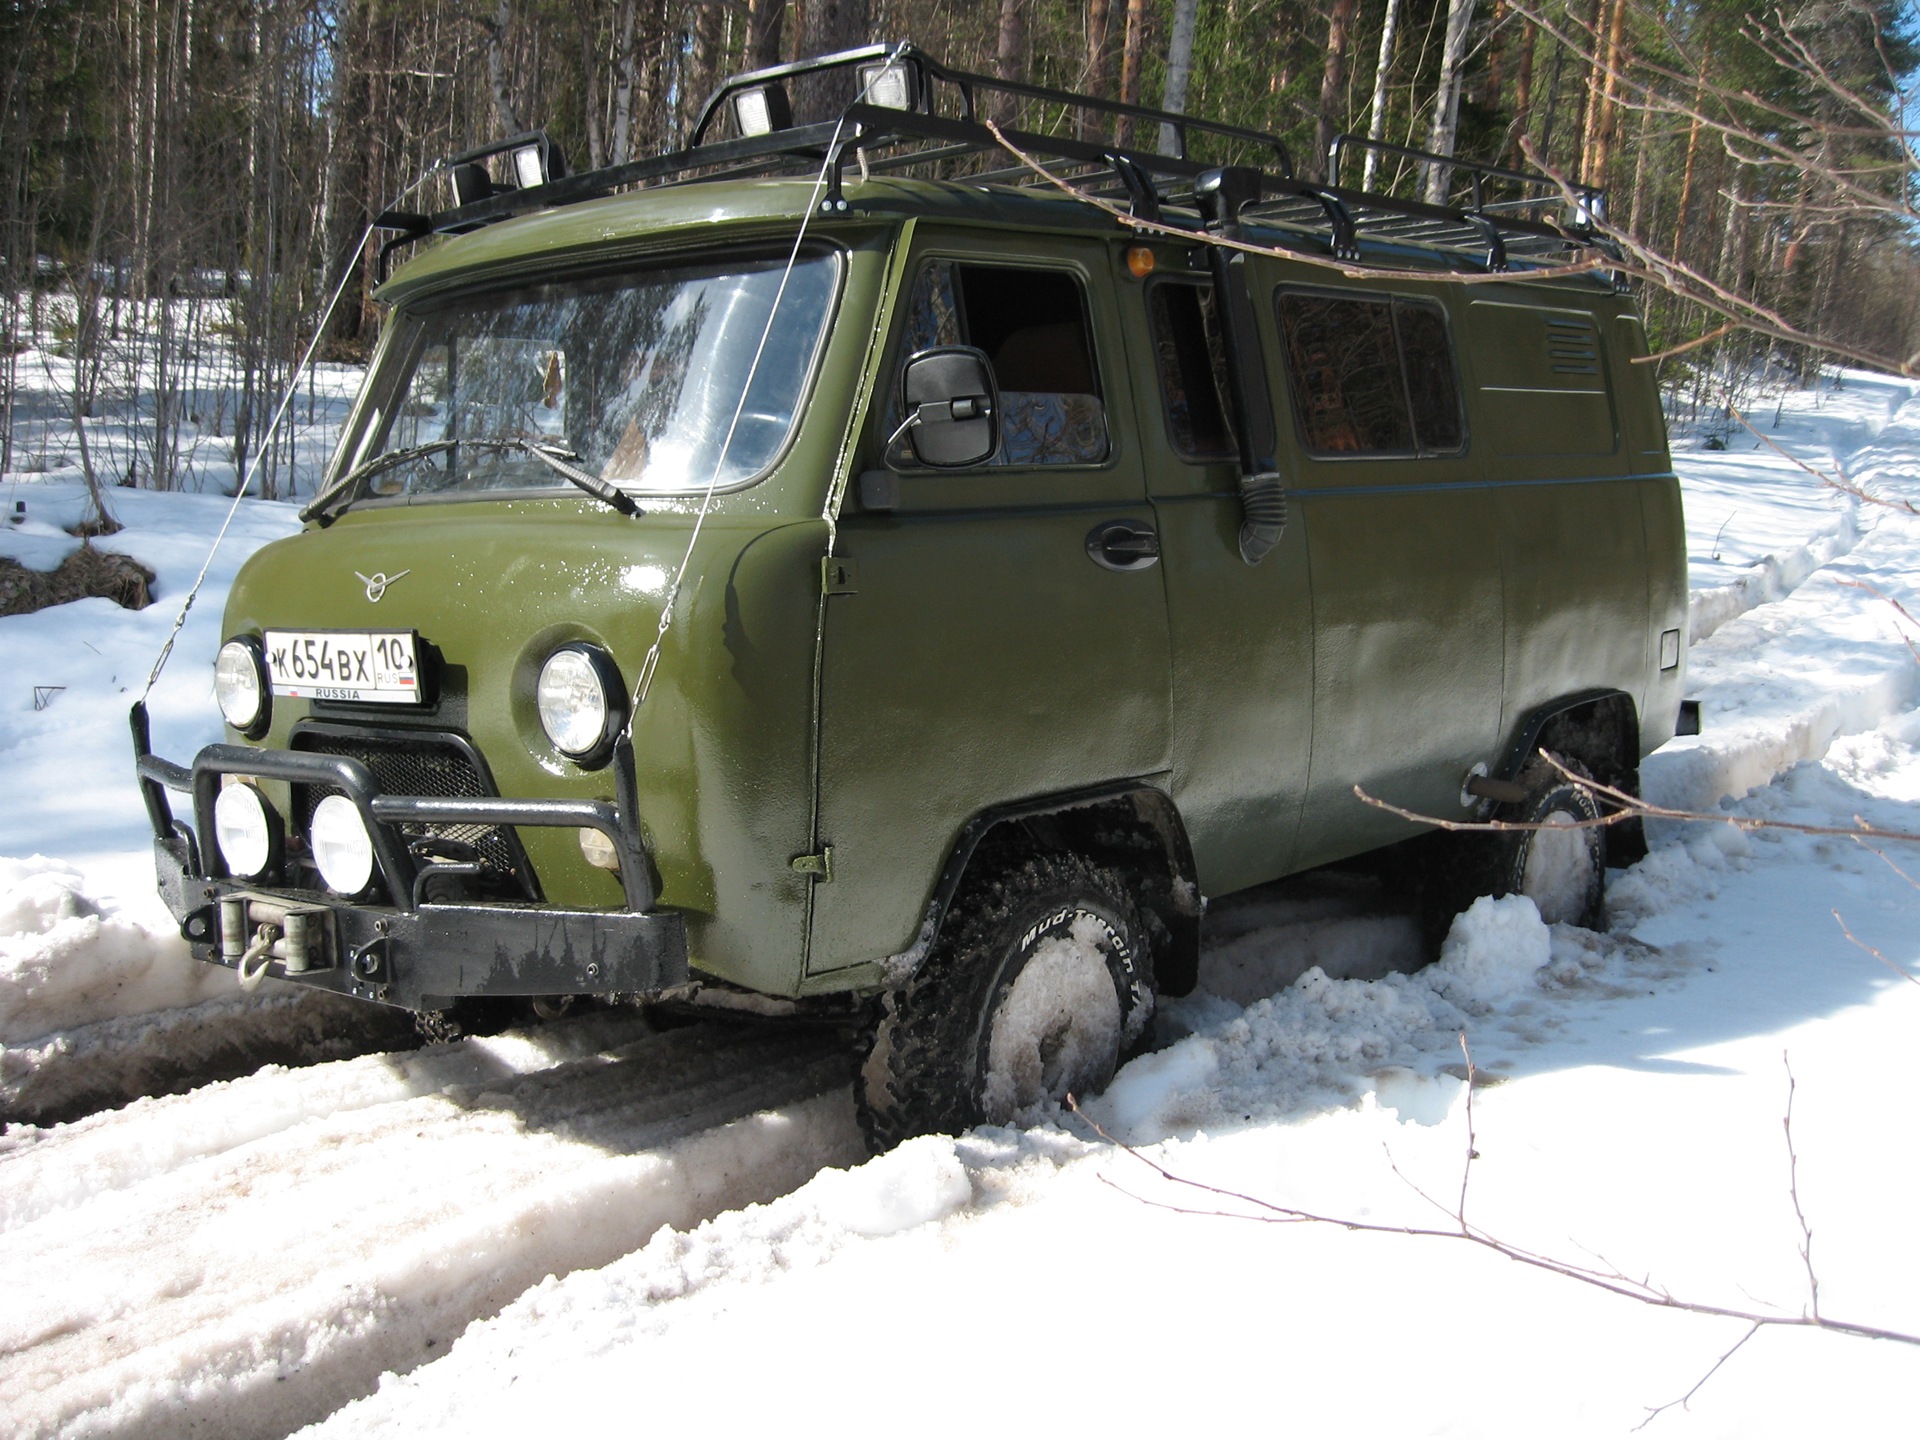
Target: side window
{"type": "Point", "coordinates": [1371, 376]}
{"type": "Point", "coordinates": [1191, 358]}
{"type": "Point", "coordinates": [1033, 326]}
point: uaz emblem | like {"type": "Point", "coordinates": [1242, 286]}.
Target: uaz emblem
{"type": "Point", "coordinates": [377, 583]}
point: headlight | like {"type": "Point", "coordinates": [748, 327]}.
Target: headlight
{"type": "Point", "coordinates": [581, 702]}
{"type": "Point", "coordinates": [342, 849]}
{"type": "Point", "coordinates": [240, 685]}
{"type": "Point", "coordinates": [244, 826]}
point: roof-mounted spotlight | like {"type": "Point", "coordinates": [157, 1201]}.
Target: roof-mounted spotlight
{"type": "Point", "coordinates": [762, 110]}
{"type": "Point", "coordinates": [891, 85]}
{"type": "Point", "coordinates": [536, 162]}
{"type": "Point", "coordinates": [523, 162]}
{"type": "Point", "coordinates": [471, 183]}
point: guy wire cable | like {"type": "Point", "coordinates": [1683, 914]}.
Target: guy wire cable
{"type": "Point", "coordinates": [644, 682]}
{"type": "Point", "coordinates": [273, 426]}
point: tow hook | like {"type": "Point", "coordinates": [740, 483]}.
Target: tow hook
{"type": "Point", "coordinates": [258, 955]}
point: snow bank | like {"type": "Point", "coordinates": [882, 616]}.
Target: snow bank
{"type": "Point", "coordinates": [64, 964]}
{"type": "Point", "coordinates": [96, 1010]}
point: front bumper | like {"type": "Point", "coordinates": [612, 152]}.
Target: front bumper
{"type": "Point", "coordinates": [410, 952]}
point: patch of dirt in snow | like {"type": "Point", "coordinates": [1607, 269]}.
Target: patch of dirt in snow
{"type": "Point", "coordinates": [85, 573]}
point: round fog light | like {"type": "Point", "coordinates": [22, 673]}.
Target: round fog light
{"type": "Point", "coordinates": [598, 849]}
{"type": "Point", "coordinates": [242, 825]}
{"type": "Point", "coordinates": [342, 849]}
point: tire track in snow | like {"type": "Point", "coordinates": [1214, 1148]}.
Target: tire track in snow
{"type": "Point", "coordinates": [281, 1273]}
{"type": "Point", "coordinates": [1766, 677]}
{"type": "Point", "coordinates": [1772, 577]}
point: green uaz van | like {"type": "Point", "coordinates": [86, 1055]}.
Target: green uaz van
{"type": "Point", "coordinates": [893, 567]}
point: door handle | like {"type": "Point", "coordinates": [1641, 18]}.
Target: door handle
{"type": "Point", "coordinates": [1123, 545]}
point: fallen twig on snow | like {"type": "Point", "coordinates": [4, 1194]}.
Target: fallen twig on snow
{"type": "Point", "coordinates": [1612, 1279]}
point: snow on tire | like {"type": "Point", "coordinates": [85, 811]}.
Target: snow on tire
{"type": "Point", "coordinates": [1562, 866]}
{"type": "Point", "coordinates": [1039, 984]}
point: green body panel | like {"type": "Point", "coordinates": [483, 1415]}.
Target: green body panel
{"type": "Point", "coordinates": [1415, 614]}
{"type": "Point", "coordinates": [984, 658]}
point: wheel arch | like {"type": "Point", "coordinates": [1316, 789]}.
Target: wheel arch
{"type": "Point", "coordinates": [1131, 826]}
{"type": "Point", "coordinates": [1600, 729]}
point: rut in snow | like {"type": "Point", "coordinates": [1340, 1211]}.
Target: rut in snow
{"type": "Point", "coordinates": [302, 1232]}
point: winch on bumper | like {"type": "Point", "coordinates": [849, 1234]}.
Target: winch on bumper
{"type": "Point", "coordinates": [409, 952]}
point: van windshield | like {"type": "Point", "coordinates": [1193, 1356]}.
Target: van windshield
{"type": "Point", "coordinates": [637, 379]}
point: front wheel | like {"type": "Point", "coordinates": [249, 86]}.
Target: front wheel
{"type": "Point", "coordinates": [1039, 984]}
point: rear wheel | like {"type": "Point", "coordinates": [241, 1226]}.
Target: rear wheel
{"type": "Point", "coordinates": [1039, 984]}
{"type": "Point", "coordinates": [1561, 865]}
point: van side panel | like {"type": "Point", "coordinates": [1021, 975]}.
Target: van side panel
{"type": "Point", "coordinates": [1572, 541]}
{"type": "Point", "coordinates": [1408, 617]}
{"type": "Point", "coordinates": [1242, 635]}
{"type": "Point", "coordinates": [1408, 609]}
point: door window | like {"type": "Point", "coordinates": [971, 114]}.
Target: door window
{"type": "Point", "coordinates": [1032, 325]}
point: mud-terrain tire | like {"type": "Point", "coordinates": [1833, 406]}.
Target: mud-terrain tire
{"type": "Point", "coordinates": [1562, 868]}
{"type": "Point", "coordinates": [1038, 985]}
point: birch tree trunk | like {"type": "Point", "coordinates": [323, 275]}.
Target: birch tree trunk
{"type": "Point", "coordinates": [1446, 103]}
{"type": "Point", "coordinates": [496, 30]}
{"type": "Point", "coordinates": [1377, 119]}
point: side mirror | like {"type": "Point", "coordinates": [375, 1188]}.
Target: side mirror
{"type": "Point", "coordinates": [952, 407]}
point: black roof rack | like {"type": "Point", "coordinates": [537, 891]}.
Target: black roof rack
{"type": "Point", "coordinates": [937, 117]}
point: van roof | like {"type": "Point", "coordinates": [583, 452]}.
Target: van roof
{"type": "Point", "coordinates": [934, 147]}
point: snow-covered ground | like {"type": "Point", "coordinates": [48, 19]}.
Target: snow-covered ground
{"type": "Point", "coordinates": [595, 1226]}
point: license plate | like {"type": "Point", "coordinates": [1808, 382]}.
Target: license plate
{"type": "Point", "coordinates": [369, 666]}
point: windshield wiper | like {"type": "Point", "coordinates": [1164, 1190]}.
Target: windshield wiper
{"type": "Point", "coordinates": [555, 459]}
{"type": "Point", "coordinates": [552, 456]}
{"type": "Point", "coordinates": [323, 502]}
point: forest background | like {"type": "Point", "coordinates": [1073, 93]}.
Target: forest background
{"type": "Point", "coordinates": [182, 182]}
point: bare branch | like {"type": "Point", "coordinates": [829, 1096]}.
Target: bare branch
{"type": "Point", "coordinates": [1656, 1411]}
{"type": "Point", "coordinates": [1857, 941]}
{"type": "Point", "coordinates": [1836, 481]}
{"type": "Point", "coordinates": [1793, 1190]}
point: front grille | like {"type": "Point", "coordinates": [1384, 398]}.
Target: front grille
{"type": "Point", "coordinates": [430, 764]}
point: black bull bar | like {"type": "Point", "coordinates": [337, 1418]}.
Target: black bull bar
{"type": "Point", "coordinates": [410, 952]}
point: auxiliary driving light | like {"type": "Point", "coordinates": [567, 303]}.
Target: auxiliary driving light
{"type": "Point", "coordinates": [762, 110]}
{"type": "Point", "coordinates": [889, 85]}
{"type": "Point", "coordinates": [240, 685]}
{"type": "Point", "coordinates": [580, 699]}
{"type": "Point", "coordinates": [244, 825]}
{"type": "Point", "coordinates": [342, 848]}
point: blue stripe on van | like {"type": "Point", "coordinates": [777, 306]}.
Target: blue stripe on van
{"type": "Point", "coordinates": [1433, 487]}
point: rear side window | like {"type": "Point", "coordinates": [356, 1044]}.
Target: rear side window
{"type": "Point", "coordinates": [1032, 325]}
{"type": "Point", "coordinates": [1371, 376]}
{"type": "Point", "coordinates": [1191, 358]}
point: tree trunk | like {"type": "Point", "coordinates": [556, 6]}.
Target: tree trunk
{"type": "Point", "coordinates": [1522, 91]}
{"type": "Point", "coordinates": [1446, 102]}
{"type": "Point", "coordinates": [1377, 119]}
{"type": "Point", "coordinates": [1132, 64]}
{"type": "Point", "coordinates": [1333, 83]}
{"type": "Point", "coordinates": [1606, 113]}
{"type": "Point", "coordinates": [1180, 66]}
{"type": "Point", "coordinates": [1009, 58]}
{"type": "Point", "coordinates": [765, 26]}
{"type": "Point", "coordinates": [496, 29]}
